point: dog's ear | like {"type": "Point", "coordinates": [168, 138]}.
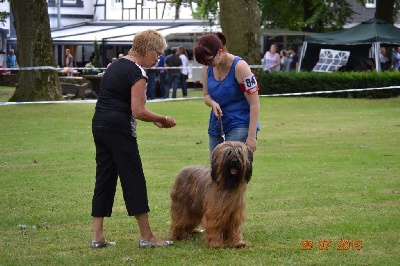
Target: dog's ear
{"type": "Point", "coordinates": [250, 154]}
{"type": "Point", "coordinates": [214, 174]}
{"type": "Point", "coordinates": [249, 171]}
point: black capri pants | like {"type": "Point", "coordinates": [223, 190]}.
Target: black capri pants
{"type": "Point", "coordinates": [118, 155]}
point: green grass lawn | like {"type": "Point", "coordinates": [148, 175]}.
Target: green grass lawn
{"type": "Point", "coordinates": [325, 170]}
{"type": "Point", "coordinates": [6, 93]}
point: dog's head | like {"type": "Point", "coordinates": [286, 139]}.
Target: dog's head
{"type": "Point", "coordinates": [231, 164]}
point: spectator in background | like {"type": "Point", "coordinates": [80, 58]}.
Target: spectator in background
{"type": "Point", "coordinates": [162, 76]}
{"type": "Point", "coordinates": [69, 62]}
{"type": "Point", "coordinates": [11, 59]}
{"type": "Point", "coordinates": [284, 61]}
{"type": "Point", "coordinates": [396, 59]}
{"type": "Point", "coordinates": [174, 66]}
{"type": "Point", "coordinates": [271, 60]}
{"type": "Point", "coordinates": [151, 83]}
{"type": "Point", "coordinates": [69, 59]}
{"type": "Point", "coordinates": [184, 73]}
{"type": "Point", "coordinates": [371, 64]}
{"type": "Point", "coordinates": [293, 59]}
{"type": "Point", "coordinates": [365, 65]}
{"type": "Point", "coordinates": [112, 61]}
{"type": "Point", "coordinates": [384, 61]}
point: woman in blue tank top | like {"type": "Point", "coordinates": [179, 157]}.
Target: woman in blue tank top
{"type": "Point", "coordinates": [231, 90]}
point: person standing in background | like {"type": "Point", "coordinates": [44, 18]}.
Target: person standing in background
{"type": "Point", "coordinates": [284, 61]}
{"type": "Point", "coordinates": [174, 66]}
{"type": "Point", "coordinates": [384, 61]}
{"type": "Point", "coordinates": [185, 72]}
{"type": "Point", "coordinates": [69, 61]}
{"type": "Point", "coordinates": [293, 59]}
{"type": "Point", "coordinates": [112, 61]}
{"type": "Point", "coordinates": [396, 59]}
{"type": "Point", "coordinates": [151, 83]}
{"type": "Point", "coordinates": [271, 60]}
{"type": "Point", "coordinates": [162, 76]}
{"type": "Point", "coordinates": [11, 59]}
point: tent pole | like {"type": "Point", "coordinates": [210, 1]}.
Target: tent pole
{"type": "Point", "coordinates": [303, 52]}
{"type": "Point", "coordinates": [377, 59]}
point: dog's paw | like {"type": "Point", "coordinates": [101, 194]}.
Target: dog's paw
{"type": "Point", "coordinates": [242, 244]}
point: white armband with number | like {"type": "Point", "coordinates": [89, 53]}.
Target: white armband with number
{"type": "Point", "coordinates": [249, 84]}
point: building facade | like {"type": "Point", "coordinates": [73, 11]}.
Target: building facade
{"type": "Point", "coordinates": [76, 24]}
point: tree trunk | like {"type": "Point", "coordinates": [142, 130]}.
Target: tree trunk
{"type": "Point", "coordinates": [35, 48]}
{"type": "Point", "coordinates": [385, 10]}
{"type": "Point", "coordinates": [240, 23]}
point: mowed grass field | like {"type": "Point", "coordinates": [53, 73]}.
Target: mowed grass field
{"type": "Point", "coordinates": [325, 188]}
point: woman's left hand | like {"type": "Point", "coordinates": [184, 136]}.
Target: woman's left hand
{"type": "Point", "coordinates": [251, 143]}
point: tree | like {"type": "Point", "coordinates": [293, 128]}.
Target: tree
{"type": "Point", "coordinates": [35, 48]}
{"type": "Point", "coordinates": [3, 14]}
{"type": "Point", "coordinates": [242, 28]}
{"type": "Point", "coordinates": [319, 15]}
{"type": "Point", "coordinates": [387, 10]}
{"type": "Point", "coordinates": [240, 22]}
{"type": "Point", "coordinates": [307, 15]}
{"type": "Point", "coordinates": [96, 59]}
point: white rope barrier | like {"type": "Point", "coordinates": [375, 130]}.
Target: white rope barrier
{"type": "Point", "coordinates": [178, 99]}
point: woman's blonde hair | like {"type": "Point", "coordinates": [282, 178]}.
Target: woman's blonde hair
{"type": "Point", "coordinates": [147, 40]}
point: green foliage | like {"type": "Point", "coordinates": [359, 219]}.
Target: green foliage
{"type": "Point", "coordinates": [90, 69]}
{"type": "Point", "coordinates": [3, 14]}
{"type": "Point", "coordinates": [324, 169]}
{"type": "Point", "coordinates": [294, 82]}
{"type": "Point", "coordinates": [206, 9]}
{"type": "Point", "coordinates": [96, 59]}
{"type": "Point", "coordinates": [285, 16]}
{"type": "Point", "coordinates": [328, 16]}
{"type": "Point", "coordinates": [307, 15]}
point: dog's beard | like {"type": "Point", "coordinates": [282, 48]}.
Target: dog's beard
{"type": "Point", "coordinates": [233, 173]}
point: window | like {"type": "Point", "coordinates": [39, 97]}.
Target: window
{"type": "Point", "coordinates": [67, 3]}
{"type": "Point", "coordinates": [116, 3]}
{"type": "Point", "coordinates": [370, 4]}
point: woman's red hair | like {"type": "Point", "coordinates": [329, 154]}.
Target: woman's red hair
{"type": "Point", "coordinates": [208, 45]}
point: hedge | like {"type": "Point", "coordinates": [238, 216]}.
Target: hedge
{"type": "Point", "coordinates": [293, 82]}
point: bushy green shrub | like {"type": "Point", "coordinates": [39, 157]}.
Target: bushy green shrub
{"type": "Point", "coordinates": [96, 59]}
{"type": "Point", "coordinates": [304, 82]}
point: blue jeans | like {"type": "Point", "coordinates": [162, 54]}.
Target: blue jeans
{"type": "Point", "coordinates": [163, 83]}
{"type": "Point", "coordinates": [235, 134]}
{"type": "Point", "coordinates": [151, 85]}
{"type": "Point", "coordinates": [183, 80]}
{"type": "Point", "coordinates": [173, 79]}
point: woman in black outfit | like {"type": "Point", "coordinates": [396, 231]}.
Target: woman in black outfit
{"type": "Point", "coordinates": [121, 102]}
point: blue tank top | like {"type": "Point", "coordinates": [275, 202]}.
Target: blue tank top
{"type": "Point", "coordinates": [231, 99]}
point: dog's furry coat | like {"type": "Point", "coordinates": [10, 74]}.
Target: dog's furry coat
{"type": "Point", "coordinates": [213, 196]}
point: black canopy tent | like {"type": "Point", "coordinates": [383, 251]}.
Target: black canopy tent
{"type": "Point", "coordinates": [363, 41]}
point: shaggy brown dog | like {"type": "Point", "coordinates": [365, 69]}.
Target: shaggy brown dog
{"type": "Point", "coordinates": [213, 197]}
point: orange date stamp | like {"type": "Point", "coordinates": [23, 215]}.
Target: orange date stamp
{"type": "Point", "coordinates": [326, 244]}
